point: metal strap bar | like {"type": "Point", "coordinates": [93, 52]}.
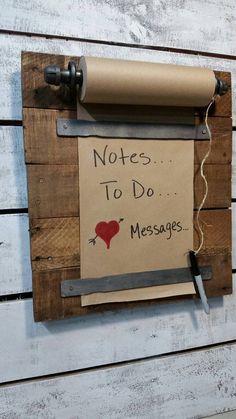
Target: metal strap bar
{"type": "Point", "coordinates": [108, 129]}
{"type": "Point", "coordinates": [75, 287]}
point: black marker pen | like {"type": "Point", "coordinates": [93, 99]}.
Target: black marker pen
{"type": "Point", "coordinates": [199, 282]}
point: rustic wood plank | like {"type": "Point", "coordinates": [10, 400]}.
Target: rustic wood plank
{"type": "Point", "coordinates": [48, 303]}
{"type": "Point", "coordinates": [221, 152]}
{"type": "Point", "coordinates": [53, 189]}
{"type": "Point", "coordinates": [42, 146]}
{"type": "Point", "coordinates": [159, 387]}
{"type": "Point", "coordinates": [219, 183]}
{"type": "Point", "coordinates": [36, 92]}
{"type": "Point", "coordinates": [10, 63]}
{"type": "Point", "coordinates": [234, 166]}
{"type": "Point", "coordinates": [54, 243]}
{"type": "Point", "coordinates": [146, 24]}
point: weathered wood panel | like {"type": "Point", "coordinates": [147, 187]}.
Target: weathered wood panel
{"type": "Point", "coordinates": [54, 243]}
{"type": "Point", "coordinates": [190, 385]}
{"type": "Point", "coordinates": [53, 193]}
{"type": "Point", "coordinates": [53, 190]}
{"type": "Point", "coordinates": [150, 23]}
{"type": "Point", "coordinates": [15, 270]}
{"type": "Point", "coordinates": [10, 63]}
{"type": "Point", "coordinates": [37, 349]}
{"type": "Point", "coordinates": [13, 189]}
{"type": "Point", "coordinates": [234, 165]}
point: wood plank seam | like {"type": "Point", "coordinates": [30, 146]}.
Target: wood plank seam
{"type": "Point", "coordinates": [123, 44]}
{"type": "Point", "coordinates": [120, 364]}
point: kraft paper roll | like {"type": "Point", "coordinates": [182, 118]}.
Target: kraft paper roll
{"type": "Point", "coordinates": [140, 83]}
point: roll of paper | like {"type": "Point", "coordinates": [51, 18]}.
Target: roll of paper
{"type": "Point", "coordinates": [141, 83]}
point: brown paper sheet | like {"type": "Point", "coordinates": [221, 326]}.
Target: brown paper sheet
{"type": "Point", "coordinates": [141, 83]}
{"type": "Point", "coordinates": [135, 113]}
{"type": "Point", "coordinates": [136, 209]}
{"type": "Point", "coordinates": [162, 291]}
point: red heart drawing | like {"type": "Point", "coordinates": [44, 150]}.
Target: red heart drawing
{"type": "Point", "coordinates": [106, 231]}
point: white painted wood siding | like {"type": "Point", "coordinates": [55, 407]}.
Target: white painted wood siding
{"type": "Point", "coordinates": [31, 349]}
{"type": "Point", "coordinates": [181, 386]}
{"type": "Point", "coordinates": [187, 386]}
{"type": "Point", "coordinates": [189, 24]}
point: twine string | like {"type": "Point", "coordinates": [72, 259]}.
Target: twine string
{"type": "Point", "coordinates": [204, 178]}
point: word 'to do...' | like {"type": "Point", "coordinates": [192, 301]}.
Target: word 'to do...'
{"type": "Point", "coordinates": [138, 190]}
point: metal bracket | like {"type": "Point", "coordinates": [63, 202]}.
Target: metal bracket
{"type": "Point", "coordinates": [107, 129]}
{"type": "Point", "coordinates": [76, 287]}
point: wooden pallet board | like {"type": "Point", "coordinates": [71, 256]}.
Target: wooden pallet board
{"type": "Point", "coordinates": [52, 169]}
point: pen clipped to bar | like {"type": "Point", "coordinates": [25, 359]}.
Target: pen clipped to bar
{"type": "Point", "coordinates": [198, 280]}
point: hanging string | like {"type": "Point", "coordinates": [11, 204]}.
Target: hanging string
{"type": "Point", "coordinates": [204, 177]}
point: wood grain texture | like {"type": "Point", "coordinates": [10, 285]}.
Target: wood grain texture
{"type": "Point", "coordinates": [37, 93]}
{"type": "Point", "coordinates": [190, 385]}
{"type": "Point", "coordinates": [10, 62]}
{"type": "Point", "coordinates": [148, 23]}
{"type": "Point", "coordinates": [219, 184]}
{"type": "Point", "coordinates": [234, 166]}
{"type": "Point", "coordinates": [54, 243]}
{"type": "Point", "coordinates": [42, 145]}
{"type": "Point", "coordinates": [49, 305]}
{"type": "Point", "coordinates": [53, 190]}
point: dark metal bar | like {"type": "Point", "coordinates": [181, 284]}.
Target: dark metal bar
{"type": "Point", "coordinates": [75, 287]}
{"type": "Point", "coordinates": [110, 129]}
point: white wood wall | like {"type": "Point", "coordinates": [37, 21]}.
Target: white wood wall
{"type": "Point", "coordinates": [167, 361]}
